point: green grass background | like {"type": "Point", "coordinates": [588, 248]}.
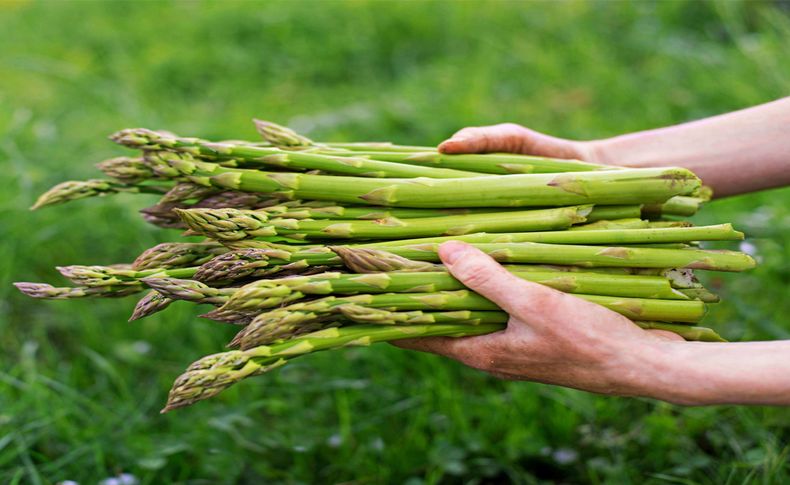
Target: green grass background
{"type": "Point", "coordinates": [80, 388]}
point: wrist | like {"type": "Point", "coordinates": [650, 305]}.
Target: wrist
{"type": "Point", "coordinates": [654, 369]}
{"type": "Point", "coordinates": [597, 151]}
{"type": "Point", "coordinates": [668, 374]}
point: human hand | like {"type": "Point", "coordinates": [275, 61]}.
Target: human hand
{"type": "Point", "coordinates": [513, 138]}
{"type": "Point", "coordinates": [551, 337]}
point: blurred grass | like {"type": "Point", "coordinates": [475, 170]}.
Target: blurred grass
{"type": "Point", "coordinates": [80, 389]}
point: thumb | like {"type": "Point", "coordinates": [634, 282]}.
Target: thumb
{"type": "Point", "coordinates": [481, 273]}
{"type": "Point", "coordinates": [505, 137]}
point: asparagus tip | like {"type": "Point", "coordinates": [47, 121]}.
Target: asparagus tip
{"type": "Point", "coordinates": [151, 303]}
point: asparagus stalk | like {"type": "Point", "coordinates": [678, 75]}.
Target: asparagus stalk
{"type": "Point", "coordinates": [701, 294]}
{"type": "Point", "coordinates": [585, 256]}
{"type": "Point", "coordinates": [192, 290]}
{"type": "Point", "coordinates": [49, 292]}
{"type": "Point", "coordinates": [489, 163]}
{"type": "Point", "coordinates": [177, 255]}
{"type": "Point", "coordinates": [286, 322]}
{"type": "Point", "coordinates": [676, 206]}
{"type": "Point", "coordinates": [212, 374]}
{"type": "Point", "coordinates": [497, 163]}
{"type": "Point", "coordinates": [127, 170]}
{"type": "Point", "coordinates": [299, 211]}
{"type": "Point", "coordinates": [280, 325]}
{"type": "Point", "coordinates": [629, 186]}
{"type": "Point", "coordinates": [232, 224]}
{"type": "Point", "coordinates": [719, 232]}
{"type": "Point", "coordinates": [98, 276]}
{"type": "Point", "coordinates": [81, 189]}
{"type": "Point", "coordinates": [246, 154]}
{"type": "Point", "coordinates": [688, 332]}
{"type": "Point", "coordinates": [611, 225]}
{"type": "Point", "coordinates": [260, 295]}
{"type": "Point", "coordinates": [614, 212]}
{"type": "Point", "coordinates": [364, 314]}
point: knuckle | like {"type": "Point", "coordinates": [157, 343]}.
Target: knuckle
{"type": "Point", "coordinates": [542, 301]}
{"type": "Point", "coordinates": [474, 273]}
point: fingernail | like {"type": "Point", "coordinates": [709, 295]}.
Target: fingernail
{"type": "Point", "coordinates": [451, 251]}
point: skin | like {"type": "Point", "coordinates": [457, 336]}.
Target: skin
{"type": "Point", "coordinates": [556, 338]}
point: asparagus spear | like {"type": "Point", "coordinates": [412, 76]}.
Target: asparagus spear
{"type": "Point", "coordinates": [191, 290]}
{"type": "Point", "coordinates": [259, 295]}
{"type": "Point", "coordinates": [364, 314]}
{"type": "Point", "coordinates": [125, 275]}
{"type": "Point", "coordinates": [585, 256]}
{"type": "Point", "coordinates": [177, 255]}
{"type": "Point", "coordinates": [630, 186]}
{"type": "Point", "coordinates": [286, 322]}
{"type": "Point", "coordinates": [246, 154]}
{"type": "Point", "coordinates": [490, 163]}
{"type": "Point", "coordinates": [281, 325]}
{"type": "Point", "coordinates": [49, 292]}
{"type": "Point", "coordinates": [496, 163]}
{"type": "Point", "coordinates": [247, 263]}
{"type": "Point", "coordinates": [127, 170]}
{"type": "Point", "coordinates": [212, 374]}
{"type": "Point", "coordinates": [676, 206]}
{"type": "Point", "coordinates": [80, 189]}
{"type": "Point", "coordinates": [719, 232]}
{"type": "Point", "coordinates": [151, 303]}
{"type": "Point", "coordinates": [232, 224]}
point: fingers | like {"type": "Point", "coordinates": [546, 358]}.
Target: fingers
{"type": "Point", "coordinates": [506, 137]}
{"type": "Point", "coordinates": [513, 138]}
{"type": "Point", "coordinates": [481, 273]}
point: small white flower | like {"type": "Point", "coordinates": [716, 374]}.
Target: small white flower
{"type": "Point", "coordinates": [748, 248]}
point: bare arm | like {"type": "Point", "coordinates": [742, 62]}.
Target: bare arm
{"type": "Point", "coordinates": [556, 338]}
{"type": "Point", "coordinates": [734, 153]}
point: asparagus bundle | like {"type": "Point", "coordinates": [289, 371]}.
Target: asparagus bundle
{"type": "Point", "coordinates": [272, 213]}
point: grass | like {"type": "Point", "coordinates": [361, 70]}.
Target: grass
{"type": "Point", "coordinates": [80, 388]}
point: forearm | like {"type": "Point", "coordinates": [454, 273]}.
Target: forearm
{"type": "Point", "coordinates": [710, 373]}
{"type": "Point", "coordinates": [734, 153]}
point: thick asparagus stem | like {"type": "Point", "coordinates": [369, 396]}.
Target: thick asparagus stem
{"type": "Point", "coordinates": [490, 163]}
{"type": "Point", "coordinates": [260, 295]}
{"type": "Point", "coordinates": [496, 163]}
{"type": "Point", "coordinates": [629, 186]}
{"type": "Point", "coordinates": [300, 211]}
{"type": "Point", "coordinates": [688, 332]}
{"type": "Point", "coordinates": [212, 374]}
{"type": "Point", "coordinates": [233, 224]}
{"type": "Point", "coordinates": [286, 322]}
{"type": "Point", "coordinates": [585, 256]}
{"type": "Point", "coordinates": [676, 206]}
{"type": "Point", "coordinates": [719, 232]}
{"type": "Point", "coordinates": [260, 155]}
{"type": "Point", "coordinates": [363, 314]}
